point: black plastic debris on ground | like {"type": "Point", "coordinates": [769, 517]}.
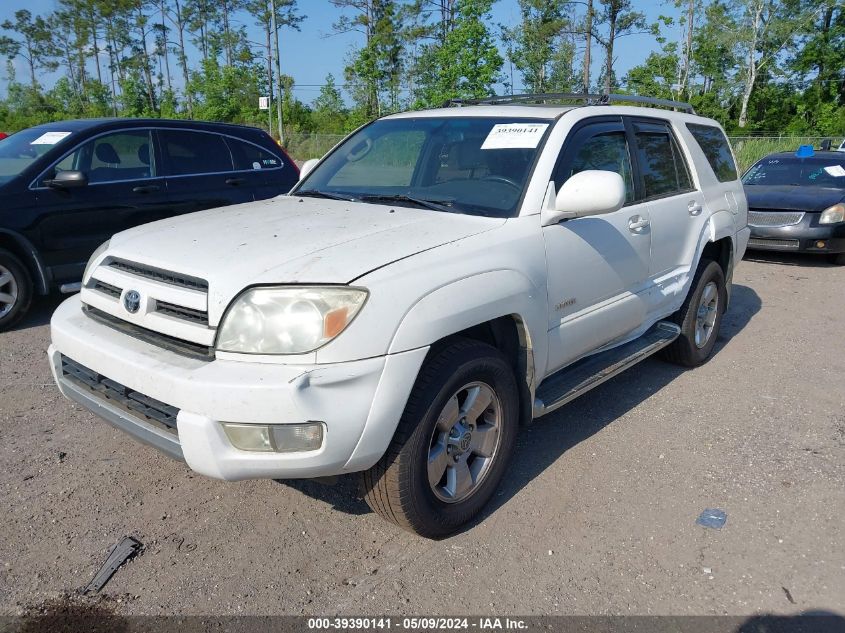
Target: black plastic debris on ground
{"type": "Point", "coordinates": [118, 554]}
{"type": "Point", "coordinates": [712, 518]}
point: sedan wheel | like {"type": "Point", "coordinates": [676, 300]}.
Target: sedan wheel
{"type": "Point", "coordinates": [8, 291]}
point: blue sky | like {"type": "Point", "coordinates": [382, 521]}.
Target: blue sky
{"type": "Point", "coordinates": [313, 52]}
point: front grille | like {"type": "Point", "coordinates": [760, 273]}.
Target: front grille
{"type": "Point", "coordinates": [164, 276]}
{"type": "Point", "coordinates": [107, 289]}
{"type": "Point", "coordinates": [181, 312]}
{"type": "Point", "coordinates": [774, 218]}
{"type": "Point", "coordinates": [106, 389]}
{"type": "Point", "coordinates": [773, 243]}
{"type": "Point", "coordinates": [177, 345]}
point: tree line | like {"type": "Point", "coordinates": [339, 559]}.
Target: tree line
{"type": "Point", "coordinates": [754, 65]}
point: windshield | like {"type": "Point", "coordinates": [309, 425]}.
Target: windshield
{"type": "Point", "coordinates": [799, 172]}
{"type": "Point", "coordinates": [20, 150]}
{"type": "Point", "coordinates": [466, 165]}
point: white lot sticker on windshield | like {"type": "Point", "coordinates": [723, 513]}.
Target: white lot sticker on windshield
{"type": "Point", "coordinates": [515, 136]}
{"type": "Point", "coordinates": [50, 138]}
{"type": "Point", "coordinates": [835, 170]}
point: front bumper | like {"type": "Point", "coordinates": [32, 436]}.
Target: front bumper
{"type": "Point", "coordinates": [359, 402]}
{"type": "Point", "coordinates": [803, 237]}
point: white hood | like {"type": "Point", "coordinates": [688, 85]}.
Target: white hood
{"type": "Point", "coordinates": [289, 240]}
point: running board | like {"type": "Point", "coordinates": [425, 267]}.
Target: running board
{"type": "Point", "coordinates": [67, 289]}
{"type": "Point", "coordinates": [570, 382]}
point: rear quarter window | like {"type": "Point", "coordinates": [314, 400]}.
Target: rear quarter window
{"type": "Point", "coordinates": [248, 156]}
{"type": "Point", "coordinates": [715, 146]}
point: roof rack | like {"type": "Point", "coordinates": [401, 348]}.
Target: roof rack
{"type": "Point", "coordinates": [588, 99]}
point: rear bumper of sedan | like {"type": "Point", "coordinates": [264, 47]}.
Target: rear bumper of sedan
{"type": "Point", "coordinates": [803, 234]}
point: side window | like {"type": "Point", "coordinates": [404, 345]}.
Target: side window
{"type": "Point", "coordinates": [606, 151]}
{"type": "Point", "coordinates": [663, 167]}
{"type": "Point", "coordinates": [188, 153]}
{"type": "Point", "coordinates": [248, 156]}
{"type": "Point", "coordinates": [113, 157]}
{"type": "Point", "coordinates": [715, 146]}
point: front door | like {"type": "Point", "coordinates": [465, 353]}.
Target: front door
{"type": "Point", "coordinates": [124, 190]}
{"type": "Point", "coordinates": [597, 266]}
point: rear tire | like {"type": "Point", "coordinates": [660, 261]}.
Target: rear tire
{"type": "Point", "coordinates": [700, 317]}
{"type": "Point", "coordinates": [15, 289]}
{"type": "Point", "coordinates": [453, 443]}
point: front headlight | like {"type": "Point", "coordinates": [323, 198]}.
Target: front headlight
{"type": "Point", "coordinates": [288, 320]}
{"type": "Point", "coordinates": [100, 250]}
{"type": "Point", "coordinates": [833, 214]}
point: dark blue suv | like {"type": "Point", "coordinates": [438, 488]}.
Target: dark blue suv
{"type": "Point", "coordinates": [67, 187]}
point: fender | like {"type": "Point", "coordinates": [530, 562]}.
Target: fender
{"type": "Point", "coordinates": [473, 300]}
{"type": "Point", "coordinates": [719, 225]}
{"type": "Point", "coordinates": [33, 261]}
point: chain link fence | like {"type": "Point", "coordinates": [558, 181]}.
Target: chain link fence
{"type": "Point", "coordinates": [748, 149]}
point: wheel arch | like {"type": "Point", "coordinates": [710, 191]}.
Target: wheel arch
{"type": "Point", "coordinates": [501, 308]}
{"type": "Point", "coordinates": [719, 246]}
{"type": "Point", "coordinates": [23, 249]}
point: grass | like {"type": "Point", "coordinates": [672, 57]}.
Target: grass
{"type": "Point", "coordinates": [750, 149]}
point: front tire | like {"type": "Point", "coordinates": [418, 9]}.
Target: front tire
{"type": "Point", "coordinates": [700, 317]}
{"type": "Point", "coordinates": [839, 259]}
{"type": "Point", "coordinates": [15, 289]}
{"type": "Point", "coordinates": [453, 443]}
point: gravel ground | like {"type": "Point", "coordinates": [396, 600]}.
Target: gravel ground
{"type": "Point", "coordinates": [596, 516]}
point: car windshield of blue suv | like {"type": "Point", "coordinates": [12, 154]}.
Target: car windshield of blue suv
{"type": "Point", "coordinates": [20, 150]}
{"type": "Point", "coordinates": [470, 165]}
{"type": "Point", "coordinates": [798, 172]}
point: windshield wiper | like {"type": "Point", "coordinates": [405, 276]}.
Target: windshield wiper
{"type": "Point", "coordinates": [316, 193]}
{"type": "Point", "coordinates": [420, 202]}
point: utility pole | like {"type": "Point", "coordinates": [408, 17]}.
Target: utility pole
{"type": "Point", "coordinates": [589, 33]}
{"type": "Point", "coordinates": [280, 97]}
{"type": "Point", "coordinates": [269, 83]}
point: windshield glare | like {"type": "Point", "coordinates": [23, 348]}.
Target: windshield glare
{"type": "Point", "coordinates": [469, 165]}
{"type": "Point", "coordinates": [800, 172]}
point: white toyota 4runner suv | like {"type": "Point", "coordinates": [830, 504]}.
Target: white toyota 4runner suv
{"type": "Point", "coordinates": [436, 280]}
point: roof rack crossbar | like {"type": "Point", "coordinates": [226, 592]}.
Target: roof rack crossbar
{"type": "Point", "coordinates": [588, 99]}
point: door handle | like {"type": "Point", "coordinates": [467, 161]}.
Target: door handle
{"type": "Point", "coordinates": [235, 181]}
{"type": "Point", "coordinates": [637, 223]}
{"type": "Point", "coordinates": [694, 208]}
{"type": "Point", "coordinates": [145, 189]}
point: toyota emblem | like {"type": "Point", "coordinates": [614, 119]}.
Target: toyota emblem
{"type": "Point", "coordinates": [132, 301]}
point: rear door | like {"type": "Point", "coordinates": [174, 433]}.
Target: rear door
{"type": "Point", "coordinates": [124, 190]}
{"type": "Point", "coordinates": [675, 205]}
{"type": "Point", "coordinates": [200, 171]}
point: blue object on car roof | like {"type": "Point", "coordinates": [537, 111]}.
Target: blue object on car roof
{"type": "Point", "coordinates": [805, 151]}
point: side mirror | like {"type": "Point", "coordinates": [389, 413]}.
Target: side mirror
{"type": "Point", "coordinates": [307, 167]}
{"type": "Point", "coordinates": [67, 180]}
{"type": "Point", "coordinates": [591, 192]}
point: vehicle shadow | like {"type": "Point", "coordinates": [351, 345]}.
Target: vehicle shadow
{"type": "Point", "coordinates": [805, 260]}
{"type": "Point", "coordinates": [805, 622]}
{"type": "Point", "coordinates": [544, 442]}
{"type": "Point", "coordinates": [40, 311]}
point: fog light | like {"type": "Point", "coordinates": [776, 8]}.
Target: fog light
{"type": "Point", "coordinates": [820, 244]}
{"type": "Point", "coordinates": [279, 438]}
